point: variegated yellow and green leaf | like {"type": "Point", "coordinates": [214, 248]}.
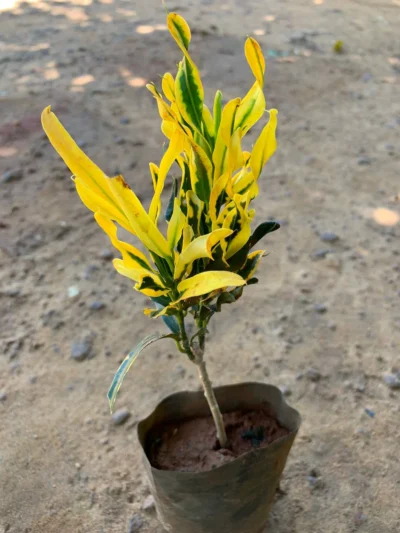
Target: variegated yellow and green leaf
{"type": "Point", "coordinates": [194, 210]}
{"type": "Point", "coordinates": [217, 197]}
{"type": "Point", "coordinates": [201, 173]}
{"type": "Point", "coordinates": [206, 282]}
{"type": "Point", "coordinates": [132, 257]}
{"type": "Point", "coordinates": [251, 264]}
{"type": "Point", "coordinates": [223, 138]}
{"type": "Point", "coordinates": [255, 59]}
{"type": "Point", "coordinates": [201, 247]}
{"type": "Point", "coordinates": [176, 225]}
{"type": "Point", "coordinates": [140, 222]}
{"type": "Point", "coordinates": [243, 231]}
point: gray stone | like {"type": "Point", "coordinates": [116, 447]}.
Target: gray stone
{"type": "Point", "coordinates": [320, 254]}
{"type": "Point", "coordinates": [329, 236]}
{"type": "Point", "coordinates": [285, 390]}
{"type": "Point", "coordinates": [80, 349]}
{"type": "Point", "coordinates": [364, 161]}
{"type": "Point", "coordinates": [149, 503]}
{"type": "Point", "coordinates": [313, 375]}
{"type": "Point", "coordinates": [3, 396]}
{"type": "Point", "coordinates": [106, 254]}
{"type": "Point", "coordinates": [96, 305]}
{"type": "Point", "coordinates": [392, 381]}
{"type": "Point", "coordinates": [12, 175]}
{"type": "Point", "coordinates": [135, 523]}
{"type": "Point", "coordinates": [320, 308]}
{"type": "Point", "coordinates": [120, 416]}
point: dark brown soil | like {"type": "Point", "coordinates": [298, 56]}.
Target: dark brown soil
{"type": "Point", "coordinates": [192, 446]}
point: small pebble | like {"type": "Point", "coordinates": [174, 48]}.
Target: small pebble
{"type": "Point", "coordinates": [124, 120]}
{"type": "Point", "coordinates": [3, 396]}
{"type": "Point", "coordinates": [329, 236]}
{"type": "Point", "coordinates": [320, 308]}
{"type": "Point", "coordinates": [96, 305]}
{"type": "Point", "coordinates": [106, 254]}
{"type": "Point", "coordinates": [80, 349]}
{"type": "Point", "coordinates": [369, 412]}
{"type": "Point", "coordinates": [12, 175]}
{"type": "Point", "coordinates": [364, 161]}
{"type": "Point", "coordinates": [135, 523]}
{"type": "Point", "coordinates": [73, 291]}
{"type": "Point", "coordinates": [313, 375]}
{"type": "Point", "coordinates": [149, 503]}
{"type": "Point", "coordinates": [320, 254]}
{"type": "Point", "coordinates": [392, 381]}
{"type": "Point", "coordinates": [120, 416]}
{"type": "Point", "coordinates": [285, 390]}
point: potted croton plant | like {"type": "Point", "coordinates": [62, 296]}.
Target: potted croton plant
{"type": "Point", "coordinates": [213, 457]}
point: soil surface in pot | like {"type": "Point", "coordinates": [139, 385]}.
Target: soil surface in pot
{"type": "Point", "coordinates": [191, 445]}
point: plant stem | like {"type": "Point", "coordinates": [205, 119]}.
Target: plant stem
{"type": "Point", "coordinates": [197, 358]}
{"type": "Point", "coordinates": [212, 402]}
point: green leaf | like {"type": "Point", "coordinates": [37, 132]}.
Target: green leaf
{"type": "Point", "coordinates": [261, 231]}
{"type": "Point", "coordinates": [170, 206]}
{"type": "Point", "coordinates": [224, 298]}
{"type": "Point", "coordinates": [127, 363]}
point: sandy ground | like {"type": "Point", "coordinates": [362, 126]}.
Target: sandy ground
{"type": "Point", "coordinates": [324, 321]}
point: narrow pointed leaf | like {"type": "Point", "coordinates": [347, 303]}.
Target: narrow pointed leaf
{"type": "Point", "coordinates": [126, 365]}
{"type": "Point", "coordinates": [265, 145]}
{"type": "Point", "coordinates": [171, 201]}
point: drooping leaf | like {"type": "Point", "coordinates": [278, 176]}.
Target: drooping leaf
{"type": "Point", "coordinates": [263, 229]}
{"type": "Point", "coordinates": [126, 365]}
{"type": "Point", "coordinates": [206, 282]}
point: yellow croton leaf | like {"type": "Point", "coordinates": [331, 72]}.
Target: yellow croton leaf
{"type": "Point", "coordinates": [90, 180]}
{"type": "Point", "coordinates": [168, 86]}
{"type": "Point", "coordinates": [175, 225]}
{"type": "Point", "coordinates": [174, 149]}
{"type": "Point", "coordinates": [265, 145]}
{"type": "Point", "coordinates": [142, 225]}
{"type": "Point", "coordinates": [223, 137]}
{"type": "Point", "coordinates": [132, 257]}
{"type": "Point", "coordinates": [206, 282]}
{"type": "Point", "coordinates": [148, 283]}
{"type": "Point", "coordinates": [255, 59]}
{"type": "Point", "coordinates": [199, 248]}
